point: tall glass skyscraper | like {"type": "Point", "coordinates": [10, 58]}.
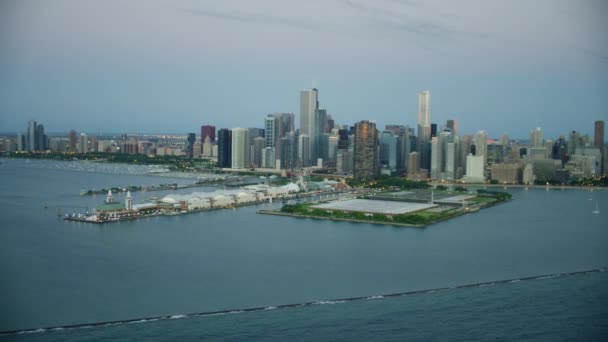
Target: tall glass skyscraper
{"type": "Point", "coordinates": [424, 129]}
{"type": "Point", "coordinates": [309, 105]}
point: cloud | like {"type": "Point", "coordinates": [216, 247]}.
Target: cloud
{"type": "Point", "coordinates": [393, 20]}
{"type": "Point", "coordinates": [262, 19]}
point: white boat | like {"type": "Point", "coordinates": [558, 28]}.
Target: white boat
{"type": "Point", "coordinates": [597, 209]}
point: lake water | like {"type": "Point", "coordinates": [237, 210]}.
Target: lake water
{"type": "Point", "coordinates": [59, 273]}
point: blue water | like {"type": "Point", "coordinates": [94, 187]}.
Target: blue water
{"type": "Point", "coordinates": [59, 273]}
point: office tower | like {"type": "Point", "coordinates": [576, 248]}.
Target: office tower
{"type": "Point", "coordinates": [224, 148]}
{"type": "Point", "coordinates": [332, 147]}
{"type": "Point", "coordinates": [344, 161]}
{"type": "Point", "coordinates": [309, 105]}
{"type": "Point", "coordinates": [208, 131]}
{"type": "Point", "coordinates": [475, 169]}
{"type": "Point", "coordinates": [41, 143]}
{"type": "Point", "coordinates": [537, 138]}
{"type": "Point", "coordinates": [481, 146]}
{"type": "Point", "coordinates": [31, 136]}
{"type": "Point", "coordinates": [343, 139]}
{"type": "Point", "coordinates": [413, 165]}
{"type": "Point", "coordinates": [453, 126]}
{"type": "Point", "coordinates": [268, 158]}
{"type": "Point", "coordinates": [424, 129]}
{"type": "Point", "coordinates": [73, 139]}
{"type": "Point", "coordinates": [21, 143]}
{"type": "Point", "coordinates": [504, 139]}
{"type": "Point", "coordinates": [207, 147]}
{"type": "Point", "coordinates": [83, 143]}
{"type": "Point", "coordinates": [435, 158]}
{"type": "Point", "coordinates": [395, 129]}
{"type": "Point", "coordinates": [598, 136]}
{"type": "Point", "coordinates": [407, 144]}
{"type": "Point", "coordinates": [330, 124]}
{"type": "Point", "coordinates": [271, 134]}
{"type": "Point", "coordinates": [255, 133]}
{"type": "Point", "coordinates": [190, 140]}
{"type": "Point", "coordinates": [573, 142]}
{"type": "Point", "coordinates": [320, 125]}
{"type": "Point", "coordinates": [289, 151]}
{"type": "Point", "coordinates": [240, 148]}
{"type": "Point", "coordinates": [365, 150]}
{"type": "Point", "coordinates": [258, 150]}
{"type": "Point", "coordinates": [388, 151]}
{"type": "Point", "coordinates": [304, 150]}
{"type": "Point", "coordinates": [433, 130]}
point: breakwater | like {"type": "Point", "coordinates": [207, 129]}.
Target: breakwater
{"type": "Point", "coordinates": [295, 305]}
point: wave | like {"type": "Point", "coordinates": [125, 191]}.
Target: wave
{"type": "Point", "coordinates": [287, 306]}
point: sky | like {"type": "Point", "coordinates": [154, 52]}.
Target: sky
{"type": "Point", "coordinates": [161, 66]}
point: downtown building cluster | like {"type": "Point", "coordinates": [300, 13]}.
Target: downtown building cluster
{"type": "Point", "coordinates": [431, 151]}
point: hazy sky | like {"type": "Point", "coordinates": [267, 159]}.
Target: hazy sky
{"type": "Point", "coordinates": [171, 66]}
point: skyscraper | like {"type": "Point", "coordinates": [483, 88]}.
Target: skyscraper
{"type": "Point", "coordinates": [304, 150]}
{"type": "Point", "coordinates": [224, 148]}
{"type": "Point", "coordinates": [208, 131]}
{"type": "Point", "coordinates": [481, 146]}
{"type": "Point", "coordinates": [83, 143]}
{"type": "Point", "coordinates": [190, 140]}
{"type": "Point", "coordinates": [240, 148]}
{"type": "Point", "coordinates": [424, 129]}
{"type": "Point", "coordinates": [40, 138]}
{"type": "Point", "coordinates": [73, 139]}
{"type": "Point", "coordinates": [31, 136]}
{"type": "Point", "coordinates": [309, 104]}
{"type": "Point", "coordinates": [537, 137]}
{"type": "Point", "coordinates": [366, 150]}
{"type": "Point", "coordinates": [271, 133]}
{"type": "Point", "coordinates": [598, 136]}
{"type": "Point", "coordinates": [453, 126]}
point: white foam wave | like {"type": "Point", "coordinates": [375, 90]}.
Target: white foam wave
{"type": "Point", "coordinates": [270, 308]}
{"type": "Point", "coordinates": [375, 297]}
{"type": "Point", "coordinates": [515, 281]}
{"type": "Point", "coordinates": [31, 331]}
{"type": "Point", "coordinates": [177, 316]}
{"type": "Point", "coordinates": [323, 302]}
{"type": "Point", "coordinates": [490, 284]}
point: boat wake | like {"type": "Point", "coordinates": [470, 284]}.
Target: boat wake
{"type": "Point", "coordinates": [286, 306]}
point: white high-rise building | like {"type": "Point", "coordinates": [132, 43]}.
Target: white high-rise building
{"type": "Point", "coordinates": [240, 148]}
{"type": "Point", "coordinates": [537, 137]}
{"type": "Point", "coordinates": [309, 104]}
{"type": "Point", "coordinates": [83, 143]}
{"type": "Point", "coordinates": [424, 108]}
{"type": "Point", "coordinates": [475, 169]}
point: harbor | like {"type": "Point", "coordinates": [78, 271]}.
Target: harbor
{"type": "Point", "coordinates": [179, 204]}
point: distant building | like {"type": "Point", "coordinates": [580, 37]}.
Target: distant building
{"type": "Point", "coordinates": [224, 148]}
{"type": "Point", "coordinates": [73, 141]}
{"type": "Point", "coordinates": [309, 105]}
{"type": "Point", "coordinates": [240, 148]}
{"type": "Point", "coordinates": [506, 173]}
{"type": "Point", "coordinates": [424, 129]}
{"type": "Point", "coordinates": [481, 146]}
{"type": "Point", "coordinates": [452, 125]}
{"type": "Point", "coordinates": [598, 134]}
{"type": "Point", "coordinates": [208, 131]}
{"type": "Point", "coordinates": [475, 169]}
{"type": "Point", "coordinates": [83, 143]}
{"type": "Point", "coordinates": [190, 140]}
{"type": "Point", "coordinates": [537, 138]}
{"type": "Point", "coordinates": [413, 165]}
{"type": "Point", "coordinates": [258, 151]}
{"type": "Point", "coordinates": [304, 150]}
{"type": "Point", "coordinates": [366, 150]}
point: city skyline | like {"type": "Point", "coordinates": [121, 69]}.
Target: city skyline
{"type": "Point", "coordinates": [370, 60]}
